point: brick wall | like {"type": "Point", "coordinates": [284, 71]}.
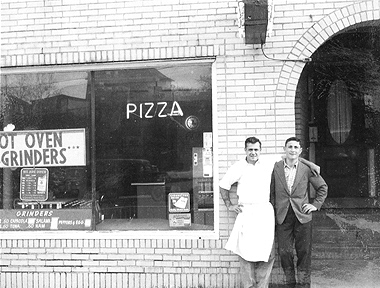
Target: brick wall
{"type": "Point", "coordinates": [301, 104]}
{"type": "Point", "coordinates": [254, 96]}
{"type": "Point", "coordinates": [116, 263]}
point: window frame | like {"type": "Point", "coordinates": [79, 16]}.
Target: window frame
{"type": "Point", "coordinates": [127, 234]}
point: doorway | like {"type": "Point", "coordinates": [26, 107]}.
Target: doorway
{"type": "Point", "coordinates": [338, 111]}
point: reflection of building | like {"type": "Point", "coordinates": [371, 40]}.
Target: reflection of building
{"type": "Point", "coordinates": [142, 106]}
{"type": "Point", "coordinates": [263, 86]}
{"type": "Point", "coordinates": [137, 84]}
{"type": "Point", "coordinates": [57, 111]}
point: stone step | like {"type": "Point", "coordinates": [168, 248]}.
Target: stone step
{"type": "Point", "coordinates": [346, 234]}
{"type": "Point", "coordinates": [360, 225]}
{"type": "Point", "coordinates": [323, 251]}
{"type": "Point", "coordinates": [337, 273]}
{"type": "Point", "coordinates": [347, 237]}
{"type": "Point", "coordinates": [346, 217]}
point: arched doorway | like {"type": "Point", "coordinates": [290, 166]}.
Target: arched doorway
{"type": "Point", "coordinates": [338, 98]}
{"type": "Point", "coordinates": [354, 190]}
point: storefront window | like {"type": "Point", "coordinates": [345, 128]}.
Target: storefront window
{"type": "Point", "coordinates": [123, 149]}
{"type": "Point", "coordinates": [153, 129]}
{"type": "Point", "coordinates": [44, 176]}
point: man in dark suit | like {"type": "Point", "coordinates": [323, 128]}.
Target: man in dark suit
{"type": "Point", "coordinates": [289, 194]}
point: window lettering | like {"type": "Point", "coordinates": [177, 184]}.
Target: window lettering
{"type": "Point", "coordinates": [150, 110]}
{"type": "Point", "coordinates": [141, 109]}
{"type": "Point", "coordinates": [131, 109]}
{"type": "Point", "coordinates": [50, 139]}
{"type": "Point", "coordinates": [4, 141]}
{"type": "Point", "coordinates": [30, 140]}
{"type": "Point", "coordinates": [33, 157]}
{"type": "Point", "coordinates": [176, 110]}
{"type": "Point", "coordinates": [160, 114]}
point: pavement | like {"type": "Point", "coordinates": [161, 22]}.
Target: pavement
{"type": "Point", "coordinates": [346, 273]}
{"type": "Point", "coordinates": [337, 273]}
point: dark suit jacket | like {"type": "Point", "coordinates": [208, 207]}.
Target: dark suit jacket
{"type": "Point", "coordinates": [281, 198]}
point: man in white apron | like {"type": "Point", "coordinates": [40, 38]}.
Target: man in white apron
{"type": "Point", "coordinates": [252, 237]}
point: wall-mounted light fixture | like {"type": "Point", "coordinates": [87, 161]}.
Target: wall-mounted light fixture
{"type": "Point", "coordinates": [255, 21]}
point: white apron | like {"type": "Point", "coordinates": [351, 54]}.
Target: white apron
{"type": "Point", "coordinates": [253, 232]}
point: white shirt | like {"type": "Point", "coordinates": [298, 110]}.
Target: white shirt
{"type": "Point", "coordinates": [290, 174]}
{"type": "Point", "coordinates": [253, 180]}
{"type": "Point", "coordinates": [253, 232]}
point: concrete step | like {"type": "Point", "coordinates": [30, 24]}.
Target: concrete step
{"type": "Point", "coordinates": [323, 251]}
{"type": "Point", "coordinates": [351, 237]}
{"type": "Point", "coordinates": [346, 234]}
{"type": "Point", "coordinates": [337, 273]}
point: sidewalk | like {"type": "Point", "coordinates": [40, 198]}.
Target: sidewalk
{"type": "Point", "coordinates": [345, 274]}
{"type": "Point", "coordinates": [339, 274]}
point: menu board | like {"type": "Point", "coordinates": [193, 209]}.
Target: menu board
{"type": "Point", "coordinates": [45, 219]}
{"type": "Point", "coordinates": [34, 184]}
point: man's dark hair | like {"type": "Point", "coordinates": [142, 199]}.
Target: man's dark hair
{"type": "Point", "coordinates": [252, 140]}
{"type": "Point", "coordinates": [293, 139]}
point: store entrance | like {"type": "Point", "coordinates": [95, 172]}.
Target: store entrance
{"type": "Point", "coordinates": [343, 110]}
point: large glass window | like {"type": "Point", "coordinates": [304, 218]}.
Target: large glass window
{"type": "Point", "coordinates": [122, 149]}
{"type": "Point", "coordinates": [44, 173]}
{"type": "Point", "coordinates": [152, 126]}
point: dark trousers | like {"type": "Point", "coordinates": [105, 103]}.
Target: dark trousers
{"type": "Point", "coordinates": [292, 232]}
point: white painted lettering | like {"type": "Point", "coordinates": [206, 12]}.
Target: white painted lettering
{"type": "Point", "coordinates": [141, 110]}
{"type": "Point", "coordinates": [176, 110]}
{"type": "Point", "coordinates": [160, 114]}
{"type": "Point", "coordinates": [131, 109]}
{"type": "Point", "coordinates": [149, 109]}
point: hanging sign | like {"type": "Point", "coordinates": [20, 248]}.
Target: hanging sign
{"type": "Point", "coordinates": [34, 184]}
{"type": "Point", "coordinates": [41, 148]}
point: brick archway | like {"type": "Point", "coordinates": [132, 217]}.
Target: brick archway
{"type": "Point", "coordinates": [308, 43]}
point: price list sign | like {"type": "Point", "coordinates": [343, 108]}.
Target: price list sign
{"type": "Point", "coordinates": [45, 219]}
{"type": "Point", "coordinates": [34, 184]}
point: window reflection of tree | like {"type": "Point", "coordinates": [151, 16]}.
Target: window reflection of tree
{"type": "Point", "coordinates": [36, 102]}
{"type": "Point", "coordinates": [17, 92]}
